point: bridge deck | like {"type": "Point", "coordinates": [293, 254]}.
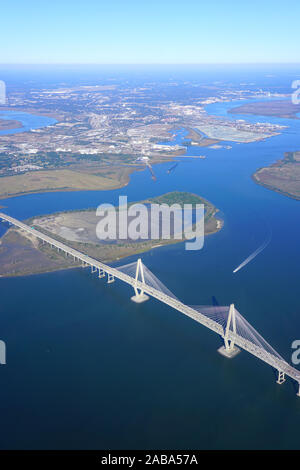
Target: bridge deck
{"type": "Point", "coordinates": [243, 343]}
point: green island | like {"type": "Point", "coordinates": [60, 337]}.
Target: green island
{"type": "Point", "coordinates": [282, 176]}
{"type": "Point", "coordinates": [23, 254]}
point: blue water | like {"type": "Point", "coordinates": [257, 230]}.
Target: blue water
{"type": "Point", "coordinates": [87, 368]}
{"type": "Point", "coordinates": [29, 121]}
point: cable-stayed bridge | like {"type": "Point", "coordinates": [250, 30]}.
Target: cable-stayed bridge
{"type": "Point", "coordinates": [226, 321]}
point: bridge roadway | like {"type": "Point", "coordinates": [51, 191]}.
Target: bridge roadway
{"type": "Point", "coordinates": [280, 364]}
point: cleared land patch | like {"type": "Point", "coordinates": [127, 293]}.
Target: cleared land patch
{"type": "Point", "coordinates": [19, 254]}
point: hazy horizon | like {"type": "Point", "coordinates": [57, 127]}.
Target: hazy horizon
{"type": "Point", "coordinates": [161, 33]}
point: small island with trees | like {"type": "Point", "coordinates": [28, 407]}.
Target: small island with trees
{"type": "Point", "coordinates": [23, 254]}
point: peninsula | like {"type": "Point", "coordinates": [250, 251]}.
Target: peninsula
{"type": "Point", "coordinates": [278, 108]}
{"type": "Point", "coordinates": [7, 124]}
{"type": "Point", "coordinates": [282, 176]}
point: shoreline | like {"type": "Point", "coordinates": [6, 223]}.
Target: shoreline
{"type": "Point", "coordinates": [9, 124]}
{"type": "Point", "coordinates": [283, 109]}
{"type": "Point", "coordinates": [281, 176]}
{"type": "Point", "coordinates": [272, 188]}
{"type": "Point", "coordinates": [42, 113]}
{"type": "Point", "coordinates": [252, 113]}
{"type": "Point", "coordinates": [39, 258]}
{"type": "Point", "coordinates": [130, 170]}
{"type": "Point", "coordinates": [67, 268]}
{"type": "Point", "coordinates": [64, 190]}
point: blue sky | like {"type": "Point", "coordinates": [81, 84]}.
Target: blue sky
{"type": "Point", "coordinates": [139, 32]}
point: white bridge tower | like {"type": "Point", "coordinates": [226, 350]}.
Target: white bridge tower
{"type": "Point", "coordinates": [229, 349]}
{"type": "Point", "coordinates": [139, 296]}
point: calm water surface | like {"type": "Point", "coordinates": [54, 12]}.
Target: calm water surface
{"type": "Point", "coordinates": [28, 121]}
{"type": "Point", "coordinates": [87, 368]}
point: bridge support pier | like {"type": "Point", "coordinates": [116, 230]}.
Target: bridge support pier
{"type": "Point", "coordinates": [229, 349]}
{"type": "Point", "coordinates": [229, 352]}
{"type": "Point", "coordinates": [281, 377]}
{"type": "Point", "coordinates": [101, 273]}
{"type": "Point", "coordinates": [139, 296]}
{"type": "Point", "coordinates": [110, 278]}
{"type": "Point", "coordinates": [93, 269]}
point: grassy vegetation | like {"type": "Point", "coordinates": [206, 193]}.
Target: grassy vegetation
{"type": "Point", "coordinates": [280, 108]}
{"type": "Point", "coordinates": [282, 176]}
{"type": "Point", "coordinates": [174, 197]}
{"type": "Point", "coordinates": [56, 180]}
{"type": "Point", "coordinates": [19, 256]}
{"type": "Point", "coordinates": [181, 198]}
{"type": "Point", "coordinates": [9, 124]}
{"type": "Point", "coordinates": [178, 197]}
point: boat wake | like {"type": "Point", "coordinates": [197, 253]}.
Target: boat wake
{"type": "Point", "coordinates": [254, 254]}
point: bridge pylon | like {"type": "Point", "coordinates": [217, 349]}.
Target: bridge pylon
{"type": "Point", "coordinates": [229, 349]}
{"type": "Point", "coordinates": [235, 331]}
{"type": "Point", "coordinates": [139, 296]}
{"type": "Point", "coordinates": [281, 377]}
{"type": "Point", "coordinates": [101, 273]}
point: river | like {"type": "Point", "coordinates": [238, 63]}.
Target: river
{"type": "Point", "coordinates": [88, 368]}
{"type": "Point", "coordinates": [29, 121]}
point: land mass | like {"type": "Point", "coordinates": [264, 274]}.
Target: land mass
{"type": "Point", "coordinates": [198, 139]}
{"type": "Point", "coordinates": [282, 176]}
{"type": "Point", "coordinates": [80, 173]}
{"type": "Point", "coordinates": [75, 179]}
{"type": "Point", "coordinates": [278, 108]}
{"type": "Point", "coordinates": [108, 131]}
{"type": "Point", "coordinates": [22, 254]}
{"type": "Point", "coordinates": [7, 124]}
